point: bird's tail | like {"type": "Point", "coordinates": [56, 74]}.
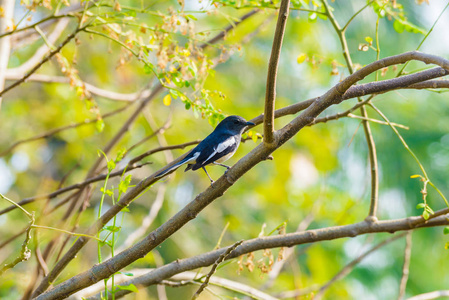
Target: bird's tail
{"type": "Point", "coordinates": [174, 167]}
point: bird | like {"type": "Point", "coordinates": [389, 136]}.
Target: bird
{"type": "Point", "coordinates": [216, 148]}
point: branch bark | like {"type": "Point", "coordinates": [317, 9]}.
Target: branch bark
{"type": "Point", "coordinates": [270, 96]}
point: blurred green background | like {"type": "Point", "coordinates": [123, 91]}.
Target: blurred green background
{"type": "Point", "coordinates": [325, 165]}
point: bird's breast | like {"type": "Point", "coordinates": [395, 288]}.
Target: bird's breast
{"type": "Point", "coordinates": [226, 157]}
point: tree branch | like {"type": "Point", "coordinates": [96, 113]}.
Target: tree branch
{"type": "Point", "coordinates": [366, 127]}
{"type": "Point", "coordinates": [270, 96]}
{"type": "Point", "coordinates": [41, 51]}
{"type": "Point", "coordinates": [260, 243]}
{"type": "Point", "coordinates": [75, 186]}
{"type": "Point", "coordinates": [89, 87]}
{"type": "Point", "coordinates": [59, 129]}
{"type": "Point", "coordinates": [6, 21]}
{"type": "Point", "coordinates": [43, 61]}
{"type": "Point", "coordinates": [406, 266]}
{"type": "Point", "coordinates": [219, 260]}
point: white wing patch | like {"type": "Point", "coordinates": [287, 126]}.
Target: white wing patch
{"type": "Point", "coordinates": [195, 156]}
{"type": "Point", "coordinates": [227, 143]}
{"type": "Point", "coordinates": [222, 147]}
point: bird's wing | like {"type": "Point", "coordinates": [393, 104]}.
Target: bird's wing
{"type": "Point", "coordinates": [211, 152]}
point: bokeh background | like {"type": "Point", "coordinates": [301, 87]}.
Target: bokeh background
{"type": "Point", "coordinates": [322, 171]}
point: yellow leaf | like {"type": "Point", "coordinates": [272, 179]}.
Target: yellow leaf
{"type": "Point", "coordinates": [167, 100]}
{"type": "Point", "coordinates": [254, 138]}
{"type": "Point", "coordinates": [415, 176]}
{"type": "Point", "coordinates": [301, 58]}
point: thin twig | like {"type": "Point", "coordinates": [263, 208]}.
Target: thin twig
{"type": "Point", "coordinates": [350, 266]}
{"type": "Point", "coordinates": [355, 15]}
{"type": "Point", "coordinates": [25, 253]}
{"type": "Point", "coordinates": [43, 61]}
{"type": "Point", "coordinates": [59, 129]}
{"type": "Point", "coordinates": [426, 177]}
{"type": "Point", "coordinates": [75, 186]}
{"type": "Point", "coordinates": [11, 74]}
{"type": "Point", "coordinates": [431, 295]}
{"type": "Point", "coordinates": [366, 127]}
{"type": "Point", "coordinates": [406, 266]}
{"type": "Point", "coordinates": [219, 260]}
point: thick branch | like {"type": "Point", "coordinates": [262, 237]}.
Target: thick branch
{"type": "Point", "coordinates": [420, 80]}
{"type": "Point", "coordinates": [288, 240]}
{"type": "Point", "coordinates": [270, 95]}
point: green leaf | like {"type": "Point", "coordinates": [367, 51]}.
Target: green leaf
{"type": "Point", "coordinates": [107, 192]}
{"type": "Point", "coordinates": [112, 228]}
{"type": "Point", "coordinates": [125, 209]}
{"type": "Point", "coordinates": [120, 155]}
{"type": "Point", "coordinates": [425, 215]}
{"type": "Point", "coordinates": [105, 243]}
{"type": "Point", "coordinates": [111, 165]}
{"type": "Point", "coordinates": [130, 287]}
{"type": "Point", "coordinates": [148, 68]}
{"type": "Point", "coordinates": [99, 125]}
{"type": "Point", "coordinates": [192, 17]}
{"type": "Point", "coordinates": [369, 39]}
{"type": "Point", "coordinates": [420, 205]}
{"type": "Point", "coordinates": [313, 16]}
{"type": "Point", "coordinates": [446, 230]}
{"type": "Point", "coordinates": [124, 184]}
{"type": "Point", "coordinates": [174, 93]}
{"type": "Point", "coordinates": [398, 26]}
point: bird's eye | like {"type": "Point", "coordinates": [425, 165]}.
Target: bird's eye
{"type": "Point", "coordinates": [236, 122]}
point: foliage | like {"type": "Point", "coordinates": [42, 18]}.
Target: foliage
{"type": "Point", "coordinates": [140, 75]}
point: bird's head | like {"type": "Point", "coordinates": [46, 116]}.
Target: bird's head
{"type": "Point", "coordinates": [234, 124]}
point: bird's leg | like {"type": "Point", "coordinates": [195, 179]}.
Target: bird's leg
{"type": "Point", "coordinates": [211, 180]}
{"type": "Point", "coordinates": [227, 167]}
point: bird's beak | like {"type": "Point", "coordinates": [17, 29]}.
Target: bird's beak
{"type": "Point", "coordinates": [250, 124]}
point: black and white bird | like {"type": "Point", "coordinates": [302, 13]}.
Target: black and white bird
{"type": "Point", "coordinates": [216, 148]}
